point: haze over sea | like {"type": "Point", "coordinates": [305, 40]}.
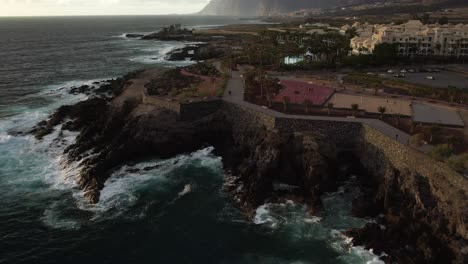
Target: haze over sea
{"type": "Point", "coordinates": [174, 213]}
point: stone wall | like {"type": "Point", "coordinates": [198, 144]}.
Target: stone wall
{"type": "Point", "coordinates": [344, 134]}
{"type": "Point", "coordinates": [195, 110]}
{"type": "Point", "coordinates": [241, 116]}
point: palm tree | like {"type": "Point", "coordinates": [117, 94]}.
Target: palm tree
{"type": "Point", "coordinates": [376, 90]}
{"type": "Point", "coordinates": [307, 104]}
{"type": "Point", "coordinates": [382, 111]}
{"type": "Point", "coordinates": [452, 91]}
{"type": "Point", "coordinates": [330, 107]}
{"type": "Point", "coordinates": [286, 101]}
{"type": "Point", "coordinates": [355, 108]}
{"type": "Point", "coordinates": [454, 141]}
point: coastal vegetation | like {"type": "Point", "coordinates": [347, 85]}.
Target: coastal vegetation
{"type": "Point", "coordinates": [196, 81]}
{"type": "Point", "coordinates": [172, 83]}
{"type": "Point", "coordinates": [450, 94]}
{"type": "Point", "coordinates": [259, 86]}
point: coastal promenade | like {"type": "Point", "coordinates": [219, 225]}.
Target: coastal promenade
{"type": "Point", "coordinates": [235, 94]}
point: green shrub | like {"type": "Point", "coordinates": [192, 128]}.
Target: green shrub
{"type": "Point", "coordinates": [441, 152]}
{"type": "Point", "coordinates": [417, 140]}
{"type": "Point", "coordinates": [459, 163]}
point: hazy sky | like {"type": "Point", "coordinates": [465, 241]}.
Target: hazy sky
{"type": "Point", "coordinates": [98, 7]}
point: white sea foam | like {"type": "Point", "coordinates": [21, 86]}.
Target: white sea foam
{"type": "Point", "coordinates": [156, 54]}
{"type": "Point", "coordinates": [187, 189]}
{"type": "Point", "coordinates": [122, 191]}
{"type": "Point", "coordinates": [262, 216]}
{"type": "Point", "coordinates": [4, 138]}
{"type": "Point", "coordinates": [312, 220]}
{"type": "Point", "coordinates": [53, 218]}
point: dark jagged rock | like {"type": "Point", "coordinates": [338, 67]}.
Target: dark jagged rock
{"type": "Point", "coordinates": [186, 53]}
{"type": "Point", "coordinates": [171, 33]}
{"type": "Point", "coordinates": [413, 223]}
{"type": "Point", "coordinates": [84, 89]}
{"type": "Point", "coordinates": [145, 131]}
{"type": "Point", "coordinates": [82, 113]}
{"type": "Point", "coordinates": [420, 220]}
{"type": "Point", "coordinates": [131, 35]}
{"type": "Point", "coordinates": [264, 157]}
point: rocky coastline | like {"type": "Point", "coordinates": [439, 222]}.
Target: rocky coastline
{"type": "Point", "coordinates": [116, 128]}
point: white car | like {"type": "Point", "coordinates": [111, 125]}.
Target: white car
{"type": "Point", "coordinates": [390, 71]}
{"type": "Point", "coordinates": [430, 77]}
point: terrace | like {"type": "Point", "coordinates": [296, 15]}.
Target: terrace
{"type": "Point", "coordinates": [301, 92]}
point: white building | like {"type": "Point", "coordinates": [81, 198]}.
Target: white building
{"type": "Point", "coordinates": [413, 38]}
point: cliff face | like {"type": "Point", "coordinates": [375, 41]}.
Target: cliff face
{"type": "Point", "coordinates": [255, 7]}
{"type": "Point", "coordinates": [265, 7]}
{"type": "Point", "coordinates": [420, 206]}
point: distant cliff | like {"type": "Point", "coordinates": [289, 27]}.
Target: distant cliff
{"type": "Point", "coordinates": [248, 8]}
{"type": "Point", "coordinates": [265, 7]}
{"type": "Point", "coordinates": [257, 7]}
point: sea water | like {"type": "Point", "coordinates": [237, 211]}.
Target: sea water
{"type": "Point", "coordinates": [173, 213]}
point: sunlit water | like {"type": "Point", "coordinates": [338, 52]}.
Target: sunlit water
{"type": "Point", "coordinates": [174, 213]}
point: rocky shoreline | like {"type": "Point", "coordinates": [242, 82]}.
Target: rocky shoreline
{"type": "Point", "coordinates": [119, 129]}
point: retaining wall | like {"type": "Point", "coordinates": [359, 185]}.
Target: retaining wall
{"type": "Point", "coordinates": [187, 111]}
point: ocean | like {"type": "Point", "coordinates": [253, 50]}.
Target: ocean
{"type": "Point", "coordinates": [175, 213]}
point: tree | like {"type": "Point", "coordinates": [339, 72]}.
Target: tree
{"type": "Point", "coordinates": [355, 108]}
{"type": "Point", "coordinates": [433, 130]}
{"type": "Point", "coordinates": [330, 107]}
{"type": "Point", "coordinates": [452, 92]}
{"type": "Point", "coordinates": [382, 111]}
{"type": "Point", "coordinates": [441, 152]}
{"type": "Point", "coordinates": [385, 53]}
{"type": "Point", "coordinates": [307, 104]}
{"type": "Point", "coordinates": [426, 18]}
{"type": "Point", "coordinates": [417, 140]}
{"type": "Point", "coordinates": [459, 163]}
{"type": "Point", "coordinates": [443, 20]}
{"type": "Point", "coordinates": [286, 101]}
{"type": "Point", "coordinates": [376, 90]}
{"type": "Point", "coordinates": [269, 98]}
{"type": "Point", "coordinates": [454, 141]}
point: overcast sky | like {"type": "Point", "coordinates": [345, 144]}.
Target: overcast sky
{"type": "Point", "coordinates": [98, 7]}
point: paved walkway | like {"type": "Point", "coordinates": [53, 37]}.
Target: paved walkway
{"type": "Point", "coordinates": [236, 88]}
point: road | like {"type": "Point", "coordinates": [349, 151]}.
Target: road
{"type": "Point", "coordinates": [234, 94]}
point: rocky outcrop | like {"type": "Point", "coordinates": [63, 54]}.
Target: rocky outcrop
{"type": "Point", "coordinates": [264, 158]}
{"type": "Point", "coordinates": [414, 227]}
{"type": "Point", "coordinates": [422, 205]}
{"type": "Point", "coordinates": [74, 117]}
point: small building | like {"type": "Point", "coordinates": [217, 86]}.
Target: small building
{"type": "Point", "coordinates": [413, 38]}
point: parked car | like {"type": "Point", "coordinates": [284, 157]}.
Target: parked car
{"type": "Point", "coordinates": [430, 77]}
{"type": "Point", "coordinates": [400, 75]}
{"type": "Point", "coordinates": [403, 71]}
{"type": "Point", "coordinates": [390, 71]}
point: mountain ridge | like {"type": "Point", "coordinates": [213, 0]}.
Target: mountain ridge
{"type": "Point", "coordinates": [266, 7]}
{"type": "Point", "coordinates": [249, 8]}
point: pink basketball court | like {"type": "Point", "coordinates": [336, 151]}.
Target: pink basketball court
{"type": "Point", "coordinates": [299, 92]}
